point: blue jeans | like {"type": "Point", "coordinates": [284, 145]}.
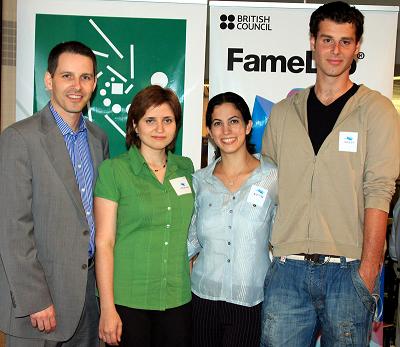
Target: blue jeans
{"type": "Point", "coordinates": [303, 299]}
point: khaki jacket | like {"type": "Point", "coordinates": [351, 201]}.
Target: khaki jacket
{"type": "Point", "coordinates": [322, 197]}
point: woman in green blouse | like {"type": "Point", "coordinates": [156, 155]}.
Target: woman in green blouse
{"type": "Point", "coordinates": [143, 206]}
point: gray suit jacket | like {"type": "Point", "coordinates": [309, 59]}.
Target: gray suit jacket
{"type": "Point", "coordinates": [43, 229]}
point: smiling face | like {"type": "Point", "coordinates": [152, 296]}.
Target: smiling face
{"type": "Point", "coordinates": [157, 128]}
{"type": "Point", "coordinates": [71, 85]}
{"type": "Point", "coordinates": [334, 48]}
{"type": "Point", "coordinates": [228, 129]}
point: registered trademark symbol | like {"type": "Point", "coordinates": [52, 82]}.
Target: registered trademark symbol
{"type": "Point", "coordinates": [361, 55]}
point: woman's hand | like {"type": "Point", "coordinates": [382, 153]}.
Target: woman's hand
{"type": "Point", "coordinates": [110, 327]}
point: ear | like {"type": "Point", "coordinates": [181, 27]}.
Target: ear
{"type": "Point", "coordinates": [48, 81]}
{"type": "Point", "coordinates": [358, 45]}
{"type": "Point", "coordinates": [312, 42]}
{"type": "Point", "coordinates": [94, 84]}
{"type": "Point", "coordinates": [249, 126]}
{"type": "Point", "coordinates": [135, 127]}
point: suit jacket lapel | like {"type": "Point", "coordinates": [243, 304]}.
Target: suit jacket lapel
{"type": "Point", "coordinates": [96, 150]}
{"type": "Point", "coordinates": [54, 145]}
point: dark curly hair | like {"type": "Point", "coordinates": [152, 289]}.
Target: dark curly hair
{"type": "Point", "coordinates": [340, 12]}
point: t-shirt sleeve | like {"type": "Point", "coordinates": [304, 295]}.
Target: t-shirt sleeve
{"type": "Point", "coordinates": [106, 185]}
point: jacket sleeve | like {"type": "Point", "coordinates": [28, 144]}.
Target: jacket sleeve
{"type": "Point", "coordinates": [269, 140]}
{"type": "Point", "coordinates": [28, 287]}
{"type": "Point", "coordinates": [106, 148]}
{"type": "Point", "coordinates": [382, 157]}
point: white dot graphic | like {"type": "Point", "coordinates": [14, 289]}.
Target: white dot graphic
{"type": "Point", "coordinates": [107, 84]}
{"type": "Point", "coordinates": [103, 92]}
{"type": "Point", "coordinates": [116, 108]}
{"type": "Point", "coordinates": [112, 79]}
{"type": "Point", "coordinates": [107, 102]}
{"type": "Point", "coordinates": [159, 78]}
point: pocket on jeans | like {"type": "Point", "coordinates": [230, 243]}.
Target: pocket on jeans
{"type": "Point", "coordinates": [362, 290]}
{"type": "Point", "coordinates": [270, 272]}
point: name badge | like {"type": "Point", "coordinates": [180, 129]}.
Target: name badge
{"type": "Point", "coordinates": [348, 141]}
{"type": "Point", "coordinates": [257, 195]}
{"type": "Point", "coordinates": [180, 185]}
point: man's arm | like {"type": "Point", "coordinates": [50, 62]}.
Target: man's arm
{"type": "Point", "coordinates": [28, 287]}
{"type": "Point", "coordinates": [269, 140]}
{"type": "Point", "coordinates": [374, 240]}
{"type": "Point", "coordinates": [381, 169]}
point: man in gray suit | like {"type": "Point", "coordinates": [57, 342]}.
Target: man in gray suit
{"type": "Point", "coordinates": [48, 166]}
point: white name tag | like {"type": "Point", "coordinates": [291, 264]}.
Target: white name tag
{"type": "Point", "coordinates": [348, 141]}
{"type": "Point", "coordinates": [180, 185]}
{"type": "Point", "coordinates": [257, 195]}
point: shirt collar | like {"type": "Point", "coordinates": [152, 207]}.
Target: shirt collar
{"type": "Point", "coordinates": [63, 126]}
{"type": "Point", "coordinates": [210, 178]}
{"type": "Point", "coordinates": [138, 163]}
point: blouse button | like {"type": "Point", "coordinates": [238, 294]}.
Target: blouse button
{"type": "Point", "coordinates": [228, 260]}
{"type": "Point", "coordinates": [230, 211]}
{"type": "Point", "coordinates": [229, 243]}
{"type": "Point", "coordinates": [210, 204]}
{"type": "Point", "coordinates": [254, 205]}
{"type": "Point", "coordinates": [233, 197]}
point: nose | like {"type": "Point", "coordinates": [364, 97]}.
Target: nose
{"type": "Point", "coordinates": [77, 83]}
{"type": "Point", "coordinates": [336, 47]}
{"type": "Point", "coordinates": [160, 126]}
{"type": "Point", "coordinates": [226, 128]}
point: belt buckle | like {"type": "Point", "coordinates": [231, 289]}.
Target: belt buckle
{"type": "Point", "coordinates": [317, 258]}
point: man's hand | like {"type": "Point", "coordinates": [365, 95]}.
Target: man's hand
{"type": "Point", "coordinates": [368, 277]}
{"type": "Point", "coordinates": [44, 320]}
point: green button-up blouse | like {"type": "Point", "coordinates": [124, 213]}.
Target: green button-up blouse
{"type": "Point", "coordinates": [151, 269]}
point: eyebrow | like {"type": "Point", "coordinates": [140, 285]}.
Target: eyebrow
{"type": "Point", "coordinates": [73, 73]}
{"type": "Point", "coordinates": [342, 38]}
{"type": "Point", "coordinates": [150, 116]}
{"type": "Point", "coordinates": [228, 118]}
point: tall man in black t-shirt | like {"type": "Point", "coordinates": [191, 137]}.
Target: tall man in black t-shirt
{"type": "Point", "coordinates": [337, 149]}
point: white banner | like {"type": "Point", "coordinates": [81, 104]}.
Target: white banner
{"type": "Point", "coordinates": [261, 51]}
{"type": "Point", "coordinates": [137, 43]}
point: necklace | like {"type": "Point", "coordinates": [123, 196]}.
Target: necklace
{"type": "Point", "coordinates": [160, 168]}
{"type": "Point", "coordinates": [230, 181]}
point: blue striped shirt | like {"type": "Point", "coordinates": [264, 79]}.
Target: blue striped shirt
{"type": "Point", "coordinates": [79, 152]}
{"type": "Point", "coordinates": [230, 233]}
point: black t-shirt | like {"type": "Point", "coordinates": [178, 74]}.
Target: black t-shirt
{"type": "Point", "coordinates": [321, 119]}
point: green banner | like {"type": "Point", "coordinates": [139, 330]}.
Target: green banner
{"type": "Point", "coordinates": [131, 53]}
